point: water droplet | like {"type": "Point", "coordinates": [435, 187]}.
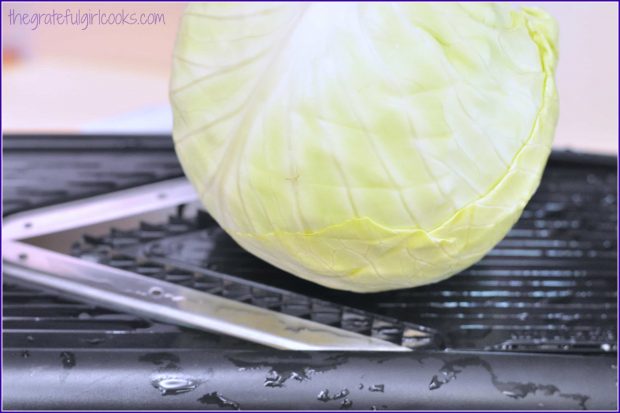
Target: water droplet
{"type": "Point", "coordinates": [579, 398]}
{"type": "Point", "coordinates": [297, 376]}
{"type": "Point", "coordinates": [373, 408]}
{"type": "Point", "coordinates": [605, 347]}
{"type": "Point", "coordinates": [361, 386]}
{"type": "Point", "coordinates": [523, 316]}
{"type": "Point", "coordinates": [156, 292]}
{"type": "Point", "coordinates": [342, 393]}
{"type": "Point", "coordinates": [171, 386]}
{"type": "Point", "coordinates": [219, 400]}
{"type": "Point", "coordinates": [377, 388]}
{"type": "Point", "coordinates": [435, 383]}
{"type": "Point", "coordinates": [175, 298]}
{"type": "Point", "coordinates": [30, 338]}
{"type": "Point", "coordinates": [84, 316]}
{"type": "Point", "coordinates": [68, 359]}
{"type": "Point", "coordinates": [522, 390]}
{"type": "Point", "coordinates": [323, 395]}
{"type": "Point", "coordinates": [274, 381]}
{"type": "Point", "coordinates": [25, 354]}
{"type": "Point", "coordinates": [94, 341]}
{"type": "Point", "coordinates": [346, 404]}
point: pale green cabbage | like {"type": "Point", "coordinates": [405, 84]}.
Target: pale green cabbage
{"type": "Point", "coordinates": [365, 146]}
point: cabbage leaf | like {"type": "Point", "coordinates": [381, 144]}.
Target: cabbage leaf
{"type": "Point", "coordinates": [365, 146]}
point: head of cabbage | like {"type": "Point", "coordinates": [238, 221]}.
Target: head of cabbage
{"type": "Point", "coordinates": [365, 146]}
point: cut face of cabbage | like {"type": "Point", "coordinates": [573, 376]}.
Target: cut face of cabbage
{"type": "Point", "coordinates": [365, 146]}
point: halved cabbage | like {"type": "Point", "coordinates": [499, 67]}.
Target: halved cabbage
{"type": "Point", "coordinates": [365, 146]}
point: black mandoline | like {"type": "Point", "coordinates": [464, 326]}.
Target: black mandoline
{"type": "Point", "coordinates": [549, 288]}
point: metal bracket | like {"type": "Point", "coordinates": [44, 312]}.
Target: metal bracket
{"type": "Point", "coordinates": [155, 299]}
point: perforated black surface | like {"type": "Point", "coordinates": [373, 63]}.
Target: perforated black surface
{"type": "Point", "coordinates": [550, 285]}
{"type": "Point", "coordinates": [46, 170]}
{"type": "Point", "coordinates": [151, 250]}
{"type": "Point", "coordinates": [34, 318]}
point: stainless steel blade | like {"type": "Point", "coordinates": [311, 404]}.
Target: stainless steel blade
{"type": "Point", "coordinates": [98, 209]}
{"type": "Point", "coordinates": [169, 302]}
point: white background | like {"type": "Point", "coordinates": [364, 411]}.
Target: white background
{"type": "Point", "coordinates": [116, 78]}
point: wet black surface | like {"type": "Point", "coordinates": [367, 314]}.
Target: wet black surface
{"type": "Point", "coordinates": [550, 287]}
{"type": "Point", "coordinates": [45, 170]}
{"type": "Point", "coordinates": [300, 367]}
{"type": "Point", "coordinates": [215, 378]}
{"type": "Point", "coordinates": [516, 390]}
